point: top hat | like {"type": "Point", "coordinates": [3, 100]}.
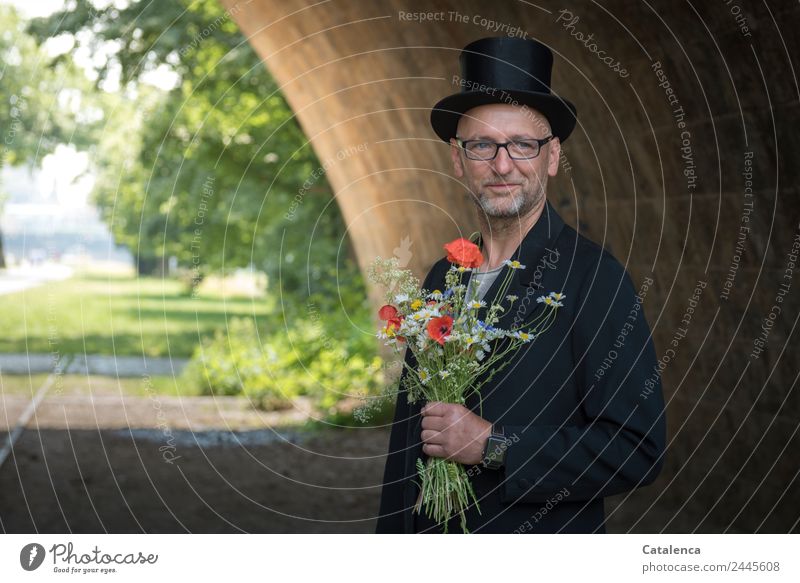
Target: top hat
{"type": "Point", "coordinates": [505, 70]}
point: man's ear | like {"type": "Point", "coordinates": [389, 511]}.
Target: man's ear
{"type": "Point", "coordinates": [455, 155]}
{"type": "Point", "coordinates": [553, 156]}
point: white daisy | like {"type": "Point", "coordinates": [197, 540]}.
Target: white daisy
{"type": "Point", "coordinates": [513, 264]}
{"type": "Point", "coordinates": [424, 376]}
{"type": "Point", "coordinates": [557, 297]}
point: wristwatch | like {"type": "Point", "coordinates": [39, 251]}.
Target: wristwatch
{"type": "Point", "coordinates": [494, 454]}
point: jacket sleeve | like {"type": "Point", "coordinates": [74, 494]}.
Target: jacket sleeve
{"type": "Point", "coordinates": [620, 445]}
{"type": "Point", "coordinates": [390, 515]}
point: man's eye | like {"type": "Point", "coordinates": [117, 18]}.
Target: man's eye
{"type": "Point", "coordinates": [482, 145]}
{"type": "Point", "coordinates": [523, 146]}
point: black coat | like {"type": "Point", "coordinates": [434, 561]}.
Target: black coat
{"type": "Point", "coordinates": [583, 402]}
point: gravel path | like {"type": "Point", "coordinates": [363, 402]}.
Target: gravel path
{"type": "Point", "coordinates": [93, 364]}
{"type": "Point", "coordinates": [108, 462]}
{"type": "Point", "coordinates": [18, 279]}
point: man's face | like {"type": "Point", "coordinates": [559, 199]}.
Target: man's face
{"type": "Point", "coordinates": [503, 187]}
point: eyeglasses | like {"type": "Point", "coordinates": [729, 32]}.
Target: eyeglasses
{"type": "Point", "coordinates": [516, 150]}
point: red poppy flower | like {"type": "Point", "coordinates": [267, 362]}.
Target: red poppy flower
{"type": "Point", "coordinates": [393, 319]}
{"type": "Point", "coordinates": [387, 312]}
{"type": "Point", "coordinates": [464, 253]}
{"type": "Point", "coordinates": [440, 328]}
{"type": "Point", "coordinates": [393, 326]}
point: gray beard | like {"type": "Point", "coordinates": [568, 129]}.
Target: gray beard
{"type": "Point", "coordinates": [497, 208]}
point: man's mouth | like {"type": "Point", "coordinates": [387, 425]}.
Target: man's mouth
{"type": "Point", "coordinates": [502, 185]}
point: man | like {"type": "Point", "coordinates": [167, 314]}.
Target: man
{"type": "Point", "coordinates": [576, 415]}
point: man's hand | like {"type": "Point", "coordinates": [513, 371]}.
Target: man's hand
{"type": "Point", "coordinates": [454, 432]}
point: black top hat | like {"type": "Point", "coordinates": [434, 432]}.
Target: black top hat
{"type": "Point", "coordinates": [505, 70]}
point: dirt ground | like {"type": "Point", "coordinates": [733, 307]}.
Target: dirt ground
{"type": "Point", "coordinates": [96, 461]}
{"type": "Point", "coordinates": [95, 458]}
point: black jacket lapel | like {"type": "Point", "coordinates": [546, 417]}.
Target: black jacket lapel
{"type": "Point", "coordinates": [538, 253]}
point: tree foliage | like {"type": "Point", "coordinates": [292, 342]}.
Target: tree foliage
{"type": "Point", "coordinates": [206, 171]}
{"type": "Point", "coordinates": [39, 100]}
{"type": "Point", "coordinates": [38, 108]}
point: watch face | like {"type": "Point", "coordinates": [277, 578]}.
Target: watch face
{"type": "Point", "coordinates": [495, 452]}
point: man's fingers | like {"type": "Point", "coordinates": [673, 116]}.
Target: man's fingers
{"type": "Point", "coordinates": [434, 409]}
{"type": "Point", "coordinates": [432, 437]}
{"type": "Point", "coordinates": [433, 450]}
{"type": "Point", "coordinates": [437, 423]}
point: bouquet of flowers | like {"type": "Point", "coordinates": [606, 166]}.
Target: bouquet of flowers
{"type": "Point", "coordinates": [453, 348]}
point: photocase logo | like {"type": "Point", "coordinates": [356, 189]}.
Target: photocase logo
{"type": "Point", "coordinates": [403, 252]}
{"type": "Point", "coordinates": [31, 556]}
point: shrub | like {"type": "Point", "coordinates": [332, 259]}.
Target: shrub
{"type": "Point", "coordinates": [327, 362]}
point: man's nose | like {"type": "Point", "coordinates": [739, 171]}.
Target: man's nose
{"type": "Point", "coordinates": [503, 163]}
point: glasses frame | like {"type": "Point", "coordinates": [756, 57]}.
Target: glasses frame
{"type": "Point", "coordinates": [540, 141]}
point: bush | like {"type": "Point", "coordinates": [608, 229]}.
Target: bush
{"type": "Point", "coordinates": [327, 362]}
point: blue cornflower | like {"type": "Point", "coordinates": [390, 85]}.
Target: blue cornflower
{"type": "Point", "coordinates": [486, 326]}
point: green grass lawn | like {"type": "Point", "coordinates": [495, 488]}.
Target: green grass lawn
{"type": "Point", "coordinates": [71, 384]}
{"type": "Point", "coordinates": [114, 314]}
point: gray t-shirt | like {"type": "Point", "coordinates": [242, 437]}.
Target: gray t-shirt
{"type": "Point", "coordinates": [484, 279]}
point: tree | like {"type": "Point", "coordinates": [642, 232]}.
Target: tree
{"type": "Point", "coordinates": [35, 108]}
{"type": "Point", "coordinates": [209, 170]}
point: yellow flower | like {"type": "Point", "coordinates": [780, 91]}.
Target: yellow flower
{"type": "Point", "coordinates": [416, 304]}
